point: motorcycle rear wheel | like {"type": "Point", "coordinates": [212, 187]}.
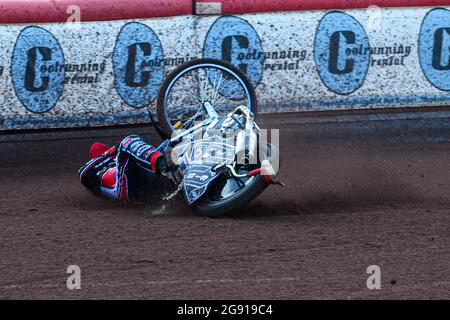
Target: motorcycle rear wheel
{"type": "Point", "coordinates": [211, 208]}
{"type": "Point", "coordinates": [209, 205]}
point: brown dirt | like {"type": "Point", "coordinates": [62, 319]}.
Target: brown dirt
{"type": "Point", "coordinates": [354, 198]}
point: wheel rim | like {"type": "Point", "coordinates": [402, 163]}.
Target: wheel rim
{"type": "Point", "coordinates": [200, 83]}
{"type": "Point", "coordinates": [228, 187]}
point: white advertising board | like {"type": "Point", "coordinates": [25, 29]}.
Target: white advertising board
{"type": "Point", "coordinates": [106, 73]}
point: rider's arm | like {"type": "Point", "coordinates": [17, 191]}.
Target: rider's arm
{"type": "Point", "coordinates": [88, 172]}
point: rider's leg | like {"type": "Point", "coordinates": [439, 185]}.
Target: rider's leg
{"type": "Point", "coordinates": [134, 151]}
{"type": "Point", "coordinates": [144, 154]}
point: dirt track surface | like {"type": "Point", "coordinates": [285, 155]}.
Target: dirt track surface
{"type": "Point", "coordinates": [358, 194]}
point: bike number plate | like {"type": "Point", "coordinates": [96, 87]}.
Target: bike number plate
{"type": "Point", "coordinates": [196, 181]}
{"type": "Point", "coordinates": [199, 159]}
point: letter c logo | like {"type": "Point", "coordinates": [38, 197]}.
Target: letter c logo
{"type": "Point", "coordinates": [138, 61]}
{"type": "Point", "coordinates": [341, 52]}
{"type": "Point", "coordinates": [37, 69]}
{"type": "Point", "coordinates": [434, 48]}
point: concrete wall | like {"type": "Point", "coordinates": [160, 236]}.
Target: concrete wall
{"type": "Point", "coordinates": [252, 6]}
{"type": "Point", "coordinates": [34, 11]}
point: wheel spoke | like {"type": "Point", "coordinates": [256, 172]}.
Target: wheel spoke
{"type": "Point", "coordinates": [191, 87]}
{"type": "Point", "coordinates": [216, 92]}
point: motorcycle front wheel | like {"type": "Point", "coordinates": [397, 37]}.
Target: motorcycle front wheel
{"type": "Point", "coordinates": [196, 82]}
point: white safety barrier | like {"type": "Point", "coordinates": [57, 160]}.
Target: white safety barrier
{"type": "Point", "coordinates": [104, 73]}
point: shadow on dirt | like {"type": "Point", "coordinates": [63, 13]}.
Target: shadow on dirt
{"type": "Point", "coordinates": [364, 190]}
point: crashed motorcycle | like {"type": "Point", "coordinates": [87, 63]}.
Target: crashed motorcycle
{"type": "Point", "coordinates": [206, 109]}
